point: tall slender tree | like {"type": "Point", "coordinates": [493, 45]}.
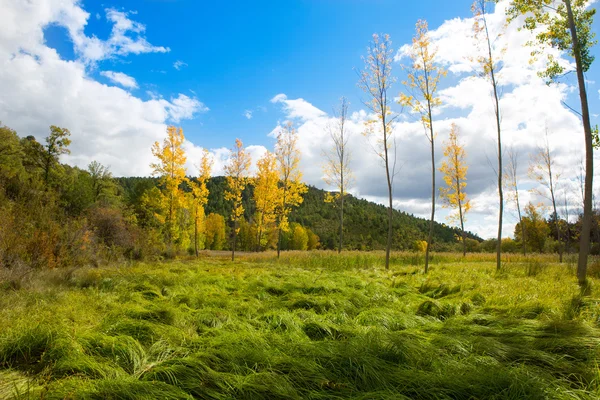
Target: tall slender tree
{"type": "Point", "coordinates": [490, 64]}
{"type": "Point", "coordinates": [421, 96]}
{"type": "Point", "coordinates": [455, 169]}
{"type": "Point", "coordinates": [57, 144]}
{"type": "Point", "coordinates": [236, 172]}
{"type": "Point", "coordinates": [376, 80]}
{"type": "Point", "coordinates": [567, 25]}
{"type": "Point", "coordinates": [511, 181]}
{"type": "Point", "coordinates": [542, 169]}
{"type": "Point", "coordinates": [337, 172]}
{"type": "Point", "coordinates": [171, 169]}
{"type": "Point", "coordinates": [200, 194]}
{"type": "Point", "coordinates": [266, 197]}
{"type": "Point", "coordinates": [290, 178]}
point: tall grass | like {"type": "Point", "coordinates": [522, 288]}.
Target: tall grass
{"type": "Point", "coordinates": [307, 326]}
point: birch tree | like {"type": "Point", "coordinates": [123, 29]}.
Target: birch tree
{"type": "Point", "coordinates": [566, 25]}
{"type": "Point", "coordinates": [422, 97]}
{"type": "Point", "coordinates": [200, 194]}
{"type": "Point", "coordinates": [236, 172]}
{"type": "Point", "coordinates": [266, 197]}
{"type": "Point", "coordinates": [376, 80]}
{"type": "Point", "coordinates": [337, 172]}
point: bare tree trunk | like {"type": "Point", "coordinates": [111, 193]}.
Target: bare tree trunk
{"type": "Point", "coordinates": [196, 230]}
{"type": "Point", "coordinates": [390, 207]}
{"type": "Point", "coordinates": [430, 237]}
{"type": "Point", "coordinates": [584, 244]}
{"type": "Point", "coordinates": [234, 240]}
{"type": "Point", "coordinates": [341, 221]}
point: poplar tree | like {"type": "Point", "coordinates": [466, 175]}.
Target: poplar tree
{"type": "Point", "coordinates": [455, 168]}
{"type": "Point", "coordinates": [566, 25]}
{"type": "Point", "coordinates": [290, 178]}
{"type": "Point", "coordinates": [200, 194]}
{"type": "Point", "coordinates": [422, 97]}
{"type": "Point", "coordinates": [266, 197]}
{"type": "Point", "coordinates": [236, 172]}
{"type": "Point", "coordinates": [336, 169]}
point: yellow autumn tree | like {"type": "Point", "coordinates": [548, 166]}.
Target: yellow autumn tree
{"type": "Point", "coordinates": [236, 172]}
{"type": "Point", "coordinates": [421, 97]}
{"type": "Point", "coordinates": [266, 197]}
{"type": "Point", "coordinates": [336, 169]}
{"type": "Point", "coordinates": [376, 80]}
{"type": "Point", "coordinates": [290, 177]}
{"type": "Point", "coordinates": [200, 194]}
{"type": "Point", "coordinates": [454, 168]}
{"type": "Point", "coordinates": [171, 169]}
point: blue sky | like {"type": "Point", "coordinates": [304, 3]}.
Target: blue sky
{"type": "Point", "coordinates": [240, 54]}
{"type": "Point", "coordinates": [106, 70]}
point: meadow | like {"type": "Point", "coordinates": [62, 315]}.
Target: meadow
{"type": "Point", "coordinates": [311, 325]}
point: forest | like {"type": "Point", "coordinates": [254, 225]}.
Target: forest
{"type": "Point", "coordinates": [256, 285]}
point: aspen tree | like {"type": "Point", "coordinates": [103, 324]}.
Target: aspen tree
{"type": "Point", "coordinates": [490, 66]}
{"type": "Point", "coordinates": [200, 193]}
{"type": "Point", "coordinates": [266, 196]}
{"type": "Point", "coordinates": [171, 169]}
{"type": "Point", "coordinates": [336, 169]}
{"type": "Point", "coordinates": [375, 80]}
{"type": "Point", "coordinates": [566, 25]}
{"type": "Point", "coordinates": [422, 82]}
{"type": "Point", "coordinates": [290, 178]}
{"type": "Point", "coordinates": [236, 172]}
{"type": "Point", "coordinates": [455, 169]}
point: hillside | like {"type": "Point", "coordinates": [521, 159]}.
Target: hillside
{"type": "Point", "coordinates": [365, 226]}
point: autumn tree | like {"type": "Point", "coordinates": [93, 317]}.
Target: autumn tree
{"type": "Point", "coordinates": [200, 194]}
{"type": "Point", "coordinates": [214, 231]}
{"type": "Point", "coordinates": [11, 154]}
{"type": "Point", "coordinates": [422, 97]}
{"type": "Point", "coordinates": [266, 197]}
{"type": "Point", "coordinates": [171, 169]}
{"type": "Point", "coordinates": [566, 25]}
{"type": "Point", "coordinates": [290, 177]}
{"type": "Point", "coordinates": [454, 168]}
{"type": "Point", "coordinates": [57, 144]}
{"type": "Point", "coordinates": [512, 184]}
{"type": "Point", "coordinates": [489, 63]}
{"type": "Point", "coordinates": [376, 80]}
{"type": "Point", "coordinates": [337, 172]}
{"type": "Point", "coordinates": [536, 228]}
{"type": "Point", "coordinates": [236, 172]}
{"type": "Point", "coordinates": [542, 169]}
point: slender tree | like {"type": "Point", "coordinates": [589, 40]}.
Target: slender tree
{"type": "Point", "coordinates": [236, 172]}
{"type": "Point", "coordinates": [266, 197]}
{"type": "Point", "coordinates": [290, 178]}
{"type": "Point", "coordinates": [490, 64]}
{"type": "Point", "coordinates": [542, 170]}
{"type": "Point", "coordinates": [171, 169]}
{"type": "Point", "coordinates": [455, 169]}
{"type": "Point", "coordinates": [567, 25]}
{"type": "Point", "coordinates": [200, 194]}
{"type": "Point", "coordinates": [422, 97]}
{"type": "Point", "coordinates": [337, 172]}
{"type": "Point", "coordinates": [376, 80]}
{"type": "Point", "coordinates": [57, 144]}
{"type": "Point", "coordinates": [512, 184]}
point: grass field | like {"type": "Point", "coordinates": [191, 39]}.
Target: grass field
{"type": "Point", "coordinates": [309, 326]}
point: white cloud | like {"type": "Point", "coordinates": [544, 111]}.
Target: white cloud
{"type": "Point", "coordinates": [298, 108]}
{"type": "Point", "coordinates": [178, 65]}
{"type": "Point", "coordinates": [247, 114]}
{"type": "Point", "coordinates": [121, 79]}
{"type": "Point", "coordinates": [107, 123]}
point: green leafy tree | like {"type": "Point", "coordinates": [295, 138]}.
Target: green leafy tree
{"type": "Point", "coordinates": [566, 25]}
{"type": "Point", "coordinates": [57, 144]}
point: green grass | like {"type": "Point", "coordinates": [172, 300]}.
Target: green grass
{"type": "Point", "coordinates": [309, 326]}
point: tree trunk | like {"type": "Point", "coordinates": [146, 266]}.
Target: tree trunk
{"type": "Point", "coordinates": [341, 220]}
{"type": "Point", "coordinates": [196, 230]}
{"type": "Point", "coordinates": [234, 240]}
{"type": "Point", "coordinates": [584, 244]}
{"type": "Point", "coordinates": [390, 207]}
{"type": "Point", "coordinates": [430, 237]}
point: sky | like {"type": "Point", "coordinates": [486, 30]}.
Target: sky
{"type": "Point", "coordinates": [116, 73]}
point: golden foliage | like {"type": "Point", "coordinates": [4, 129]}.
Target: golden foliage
{"type": "Point", "coordinates": [455, 169]}
{"type": "Point", "coordinates": [236, 172]}
{"type": "Point", "coordinates": [267, 196]}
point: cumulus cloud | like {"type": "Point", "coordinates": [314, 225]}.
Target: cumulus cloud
{"type": "Point", "coordinates": [107, 123]}
{"type": "Point", "coordinates": [120, 79]}
{"type": "Point", "coordinates": [247, 114]}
